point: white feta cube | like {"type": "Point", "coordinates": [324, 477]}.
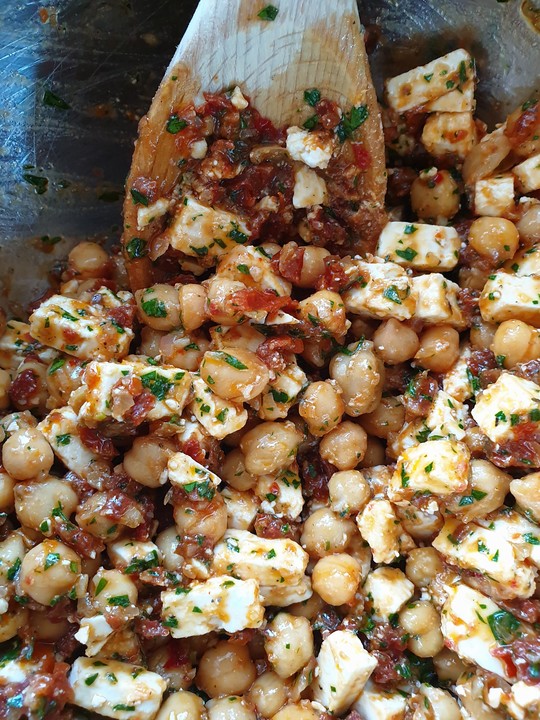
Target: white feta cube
{"type": "Point", "coordinates": [419, 246]}
{"type": "Point", "coordinates": [468, 622]}
{"type": "Point", "coordinates": [79, 329]}
{"type": "Point", "coordinates": [220, 603]}
{"type": "Point", "coordinates": [281, 494]}
{"type": "Point", "coordinates": [494, 196]}
{"type": "Point", "coordinates": [252, 267]}
{"type": "Point", "coordinates": [381, 291]}
{"type": "Point", "coordinates": [149, 213]}
{"type": "Point", "coordinates": [456, 382]}
{"type": "Point", "coordinates": [309, 188]}
{"type": "Point", "coordinates": [238, 99]}
{"type": "Point", "coordinates": [282, 596]}
{"type": "Point", "coordinates": [93, 632]}
{"type": "Point", "coordinates": [440, 467]}
{"type": "Point", "coordinates": [461, 100]}
{"type": "Point", "coordinates": [504, 404]}
{"type": "Point", "coordinates": [525, 262]}
{"type": "Point", "coordinates": [486, 551]}
{"type": "Point", "coordinates": [217, 416]}
{"type": "Point", "coordinates": [242, 508]}
{"type": "Point", "coordinates": [133, 556]}
{"type": "Point", "coordinates": [378, 703]}
{"type": "Point", "coordinates": [436, 300]}
{"type": "Point", "coordinates": [380, 528]}
{"type": "Point", "coordinates": [116, 689]}
{"type": "Point", "coordinates": [388, 589]}
{"type": "Point", "coordinates": [281, 393]}
{"type": "Point", "coordinates": [507, 297]}
{"type": "Point", "coordinates": [427, 83]}
{"type": "Point", "coordinates": [201, 231]}
{"type": "Point", "coordinates": [271, 562]}
{"type": "Point", "coordinates": [17, 342]}
{"type": "Point", "coordinates": [186, 472]}
{"type": "Point", "coordinates": [446, 418]}
{"type": "Point", "coordinates": [527, 174]}
{"type": "Point", "coordinates": [344, 668]}
{"type": "Point", "coordinates": [449, 134]}
{"type": "Point", "coordinates": [311, 148]}
{"type": "Point", "coordinates": [198, 149]}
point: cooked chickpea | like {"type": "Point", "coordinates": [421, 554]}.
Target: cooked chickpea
{"type": "Point", "coordinates": [395, 342]}
{"type": "Point", "coordinates": [35, 501]}
{"type": "Point", "coordinates": [150, 342]}
{"type": "Point", "coordinates": [526, 490]}
{"type": "Point", "coordinates": [210, 523]}
{"type": "Point", "coordinates": [336, 578]}
{"type": "Point", "coordinates": [482, 333]}
{"type": "Point", "coordinates": [7, 498]}
{"type": "Point", "coordinates": [309, 608]}
{"type": "Point", "coordinates": [360, 374]}
{"type": "Point", "coordinates": [439, 348]}
{"type": "Point", "coordinates": [270, 446]}
{"type": "Point", "coordinates": [225, 669]}
{"type": "Point", "coordinates": [321, 407]}
{"type": "Point", "coordinates": [268, 693]}
{"type": "Point", "coordinates": [49, 570]}
{"type": "Point", "coordinates": [234, 471]}
{"type": "Point", "coordinates": [529, 225]}
{"type": "Point", "coordinates": [192, 300]}
{"type": "Point", "coordinates": [234, 374]}
{"type": "Point", "coordinates": [27, 454]}
{"type": "Point", "coordinates": [184, 705]}
{"type": "Point", "coordinates": [159, 307]}
{"type": "Point", "coordinates": [5, 382]}
{"type": "Point", "coordinates": [448, 665]}
{"type": "Point", "coordinates": [91, 518]}
{"type": "Point", "coordinates": [219, 307]}
{"type": "Point", "coordinates": [423, 565]}
{"type": "Point", "coordinates": [12, 550]}
{"type": "Point", "coordinates": [326, 533]}
{"type": "Point", "coordinates": [515, 342]}
{"type": "Point", "coordinates": [183, 351]}
{"type": "Point", "coordinates": [489, 487]}
{"type": "Point", "coordinates": [168, 541]}
{"type": "Point", "coordinates": [494, 237]}
{"type": "Point", "coordinates": [232, 707]}
{"type": "Point", "coordinates": [438, 705]}
{"type": "Point", "coordinates": [348, 492]}
{"type": "Point", "coordinates": [288, 643]}
{"type": "Point", "coordinates": [297, 711]}
{"type": "Point", "coordinates": [45, 629]}
{"type": "Point", "coordinates": [12, 621]}
{"type": "Point", "coordinates": [88, 260]}
{"type": "Point", "coordinates": [146, 460]}
{"type": "Point", "coordinates": [325, 309]}
{"type": "Point", "coordinates": [312, 266]}
{"type": "Point", "coordinates": [435, 195]}
{"type": "Point", "coordinates": [344, 446]}
{"type": "Point", "coordinates": [375, 453]}
{"type": "Point", "coordinates": [106, 585]}
{"type": "Point", "coordinates": [388, 417]}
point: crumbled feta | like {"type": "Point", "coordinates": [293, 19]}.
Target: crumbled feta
{"type": "Point", "coordinates": [242, 508]}
{"type": "Point", "coordinates": [456, 382]}
{"type": "Point", "coordinates": [381, 291]}
{"type": "Point", "coordinates": [446, 418]}
{"type": "Point", "coordinates": [310, 148]}
{"type": "Point", "coordinates": [184, 470]}
{"type": "Point", "coordinates": [378, 703]}
{"type": "Point", "coordinates": [494, 196]}
{"type": "Point", "coordinates": [93, 632]}
{"type": "Point", "coordinates": [506, 297]}
{"type": "Point", "coordinates": [149, 213]}
{"type": "Point", "coordinates": [436, 300]}
{"type": "Point", "coordinates": [217, 416]}
{"type": "Point", "coordinates": [309, 188]}
{"type": "Point", "coordinates": [198, 149]}
{"type": "Point", "coordinates": [449, 134]}
{"type": "Point", "coordinates": [252, 267]}
{"type": "Point", "coordinates": [132, 556]}
{"type": "Point", "coordinates": [281, 494]}
{"type": "Point", "coordinates": [388, 590]}
{"type": "Point", "coordinates": [381, 529]}
{"type": "Point", "coordinates": [238, 99]}
{"type": "Point", "coordinates": [461, 100]}
{"type": "Point", "coordinates": [527, 174]}
{"type": "Point", "coordinates": [284, 595]}
{"type": "Point", "coordinates": [17, 342]}
{"type": "Point", "coordinates": [281, 393]}
{"type": "Point", "coordinates": [419, 246]}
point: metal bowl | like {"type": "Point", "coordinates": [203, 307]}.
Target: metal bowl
{"type": "Point", "coordinates": [74, 81]}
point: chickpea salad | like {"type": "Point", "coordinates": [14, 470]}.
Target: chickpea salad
{"type": "Point", "coordinates": [293, 472]}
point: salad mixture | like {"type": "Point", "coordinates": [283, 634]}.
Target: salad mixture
{"type": "Point", "coordinates": [293, 472]}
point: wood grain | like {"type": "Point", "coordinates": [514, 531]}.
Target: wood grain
{"type": "Point", "coordinates": [310, 44]}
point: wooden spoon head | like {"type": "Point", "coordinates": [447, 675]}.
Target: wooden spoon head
{"type": "Point", "coordinates": [308, 45]}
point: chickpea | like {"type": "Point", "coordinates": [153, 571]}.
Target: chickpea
{"type": "Point", "coordinates": [5, 383]}
{"type": "Point", "coordinates": [325, 309]}
{"type": "Point", "coordinates": [234, 471]}
{"type": "Point", "coordinates": [270, 446]}
{"type": "Point", "coordinates": [494, 237]}
{"type": "Point", "coordinates": [489, 487]}
{"type": "Point", "coordinates": [236, 374]}
{"type": "Point", "coordinates": [439, 348]}
{"type": "Point", "coordinates": [12, 621]}
{"type": "Point", "coordinates": [45, 629]}
{"type": "Point", "coordinates": [336, 578]}
{"type": "Point", "coordinates": [395, 342]}
{"type": "Point", "coordinates": [388, 417]}
{"type": "Point", "coordinates": [110, 584]}
{"type": "Point", "coordinates": [168, 541]}
{"type": "Point", "coordinates": [35, 501]}
{"type": "Point", "coordinates": [229, 708]}
{"type": "Point", "coordinates": [219, 307]}
{"type": "Point", "coordinates": [348, 492]}
{"type": "Point", "coordinates": [344, 446]}
{"type": "Point", "coordinates": [423, 565]}
{"type": "Point", "coordinates": [363, 328]}
{"type": "Point", "coordinates": [12, 550]}
{"type": "Point", "coordinates": [150, 340]}
{"type": "Point", "coordinates": [210, 523]}
{"type": "Point", "coordinates": [313, 353]}
{"type": "Point", "coordinates": [159, 307]}
{"type": "Point", "coordinates": [360, 375]}
{"type": "Point", "coordinates": [448, 665]}
{"type": "Point", "coordinates": [7, 498]}
{"type": "Point", "coordinates": [526, 490]}
{"type": "Point", "coordinates": [482, 334]}
{"type": "Point", "coordinates": [313, 266]}
{"type": "Point", "coordinates": [192, 299]}
{"type": "Point", "coordinates": [49, 570]}
{"type": "Point", "coordinates": [516, 342]}
{"type": "Point", "coordinates": [268, 693]}
{"type": "Point", "coordinates": [289, 643]}
{"type": "Point", "coordinates": [309, 608]}
{"type": "Point", "coordinates": [299, 711]}
{"type": "Point", "coordinates": [528, 225]}
{"type": "Point", "coordinates": [225, 669]}
{"type": "Point", "coordinates": [182, 704]}
{"type": "Point", "coordinates": [434, 195]}
{"type": "Point", "coordinates": [326, 533]}
{"type": "Point", "coordinates": [88, 260]}
{"type": "Point", "coordinates": [146, 460]}
{"type": "Point", "coordinates": [91, 518]}
{"type": "Point", "coordinates": [419, 617]}
{"type": "Point", "coordinates": [375, 453]}
{"type": "Point", "coordinates": [183, 351]}
{"type": "Point", "coordinates": [27, 454]}
{"type": "Point", "coordinates": [438, 705]}
{"type": "Point", "coordinates": [321, 407]}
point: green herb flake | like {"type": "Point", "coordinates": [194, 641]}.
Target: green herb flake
{"type": "Point", "coordinates": [64, 439]}
{"type": "Point", "coordinates": [531, 539]}
{"type": "Point", "coordinates": [408, 254]}
{"type": "Point", "coordinates": [102, 584]}
{"type": "Point", "coordinates": [243, 269]}
{"type": "Point", "coordinates": [312, 96]}
{"type": "Point", "coordinates": [351, 121]}
{"type": "Point", "coordinates": [56, 365]}
{"type": "Point", "coordinates": [91, 679]}
{"type": "Point", "coordinates": [154, 308]}
{"type": "Point", "coordinates": [504, 626]}
{"type": "Point", "coordinates": [14, 569]}
{"type": "Point", "coordinates": [391, 293]}
{"type": "Point", "coordinates": [175, 124]}
{"type": "Point", "coordinates": [231, 360]}
{"type": "Point", "coordinates": [119, 601]}
{"type": "Point", "coordinates": [136, 248]}
{"type": "Point", "coordinates": [271, 554]}
{"type": "Point", "coordinates": [158, 384]}
{"type": "Point", "coordinates": [197, 610]}
{"type": "Point", "coordinates": [268, 13]}
{"type": "Point", "coordinates": [405, 479]}
{"type": "Point", "coordinates": [52, 100]}
{"type": "Point", "coordinates": [138, 197]}
{"type": "Point", "coordinates": [51, 559]}
{"type": "Point", "coordinates": [39, 183]}
{"type": "Point", "coordinates": [409, 229]}
{"type": "Point", "coordinates": [428, 77]}
{"type": "Point", "coordinates": [171, 622]}
{"type": "Point", "coordinates": [126, 708]}
{"type": "Point", "coordinates": [311, 122]}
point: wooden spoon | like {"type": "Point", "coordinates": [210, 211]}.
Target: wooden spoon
{"type": "Point", "coordinates": [308, 44]}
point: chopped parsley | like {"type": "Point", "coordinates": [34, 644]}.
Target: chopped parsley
{"type": "Point", "coordinates": [351, 121]}
{"type": "Point", "coordinates": [391, 293]}
{"type": "Point", "coordinates": [268, 13]}
{"type": "Point", "coordinates": [408, 254]}
{"type": "Point", "coordinates": [154, 308]}
{"type": "Point", "coordinates": [158, 384]}
{"type": "Point", "coordinates": [138, 197]}
{"type": "Point", "coordinates": [51, 559]}
{"type": "Point", "coordinates": [136, 248]}
{"type": "Point", "coordinates": [56, 365]}
{"type": "Point", "coordinates": [312, 96]}
{"type": "Point", "coordinates": [231, 360]}
{"type": "Point", "coordinates": [175, 124]}
{"type": "Point", "coordinates": [119, 600]}
{"type": "Point", "coordinates": [53, 100]}
{"type": "Point", "coordinates": [503, 625]}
